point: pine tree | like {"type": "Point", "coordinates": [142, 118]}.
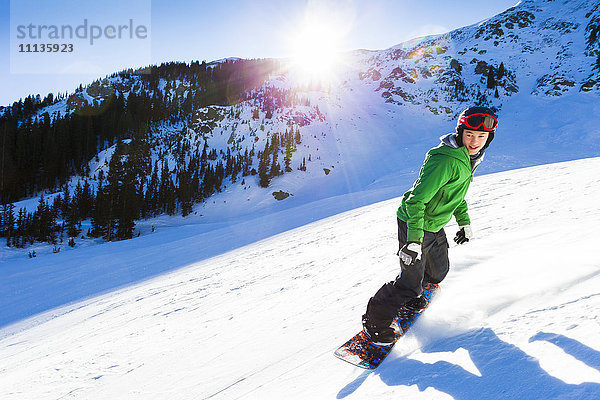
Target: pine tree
{"type": "Point", "coordinates": [208, 182]}
{"type": "Point", "coordinates": [184, 191]}
{"type": "Point", "coordinates": [127, 167]}
{"type": "Point", "coordinates": [7, 223]}
{"type": "Point", "coordinates": [113, 191]}
{"type": "Point", "coordinates": [100, 213]}
{"type": "Point", "coordinates": [275, 168]}
{"type": "Point", "coordinates": [263, 167]}
{"type": "Point", "coordinates": [44, 222]}
{"type": "Point", "coordinates": [297, 136]}
{"type": "Point", "coordinates": [127, 207]}
{"type": "Point", "coordinates": [164, 187]}
{"type": "Point", "coordinates": [219, 175]}
{"type": "Point", "coordinates": [204, 158]}
{"type": "Point", "coordinates": [501, 71]}
{"type": "Point", "coordinates": [167, 192]}
{"type": "Point", "coordinates": [87, 201]}
{"type": "Point", "coordinates": [491, 81]}
{"type": "Point", "coordinates": [275, 143]}
{"type": "Point", "coordinates": [151, 197]}
{"type": "Point", "coordinates": [72, 217]}
{"type": "Point", "coordinates": [288, 156]}
{"type": "Point", "coordinates": [64, 201]}
{"type": "Point", "coordinates": [303, 165]}
{"type": "Point", "coordinates": [23, 229]}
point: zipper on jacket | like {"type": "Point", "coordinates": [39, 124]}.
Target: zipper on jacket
{"type": "Point", "coordinates": [439, 201]}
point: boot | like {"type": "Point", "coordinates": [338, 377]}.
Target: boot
{"type": "Point", "coordinates": [382, 335]}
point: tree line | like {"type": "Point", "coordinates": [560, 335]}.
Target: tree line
{"type": "Point", "coordinates": [40, 152]}
{"type": "Point", "coordinates": [134, 188]}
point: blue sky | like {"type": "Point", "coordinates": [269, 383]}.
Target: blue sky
{"type": "Point", "coordinates": [184, 30]}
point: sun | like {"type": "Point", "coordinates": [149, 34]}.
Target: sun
{"type": "Point", "coordinates": [316, 53]}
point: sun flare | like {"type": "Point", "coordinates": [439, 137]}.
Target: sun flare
{"type": "Point", "coordinates": [316, 53]}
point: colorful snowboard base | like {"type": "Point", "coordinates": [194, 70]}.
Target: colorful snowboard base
{"type": "Point", "coordinates": [363, 353]}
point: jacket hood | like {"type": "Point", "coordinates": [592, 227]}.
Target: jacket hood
{"type": "Point", "coordinates": [449, 142]}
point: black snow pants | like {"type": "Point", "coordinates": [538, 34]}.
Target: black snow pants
{"type": "Point", "coordinates": [433, 267]}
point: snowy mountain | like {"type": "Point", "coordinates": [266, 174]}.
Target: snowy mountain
{"type": "Point", "coordinates": [545, 49]}
{"type": "Point", "coordinates": [516, 318]}
{"type": "Point", "coordinates": [536, 63]}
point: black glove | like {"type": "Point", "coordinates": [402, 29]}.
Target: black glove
{"type": "Point", "coordinates": [464, 234]}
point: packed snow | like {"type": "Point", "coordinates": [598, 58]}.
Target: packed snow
{"type": "Point", "coordinates": [516, 317]}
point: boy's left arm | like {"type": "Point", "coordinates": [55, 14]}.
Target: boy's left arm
{"type": "Point", "coordinates": [461, 214]}
{"type": "Point", "coordinates": [464, 223]}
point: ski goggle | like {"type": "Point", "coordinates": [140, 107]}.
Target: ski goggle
{"type": "Point", "coordinates": [479, 121]}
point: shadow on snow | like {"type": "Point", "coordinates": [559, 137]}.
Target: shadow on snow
{"type": "Point", "coordinates": [506, 371]}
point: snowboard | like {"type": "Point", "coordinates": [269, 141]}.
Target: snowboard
{"type": "Point", "coordinates": [363, 353]}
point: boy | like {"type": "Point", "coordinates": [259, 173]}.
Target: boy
{"type": "Point", "coordinates": [435, 197]}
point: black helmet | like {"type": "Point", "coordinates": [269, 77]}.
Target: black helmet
{"type": "Point", "coordinates": [477, 119]}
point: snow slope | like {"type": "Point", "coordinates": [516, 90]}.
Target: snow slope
{"type": "Point", "coordinates": [517, 316]}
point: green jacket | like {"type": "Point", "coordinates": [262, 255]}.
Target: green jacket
{"type": "Point", "coordinates": [440, 191]}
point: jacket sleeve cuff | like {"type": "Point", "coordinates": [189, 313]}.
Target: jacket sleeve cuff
{"type": "Point", "coordinates": [463, 220]}
{"type": "Point", "coordinates": [414, 235]}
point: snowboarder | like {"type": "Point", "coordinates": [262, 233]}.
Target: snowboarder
{"type": "Point", "coordinates": [437, 195]}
